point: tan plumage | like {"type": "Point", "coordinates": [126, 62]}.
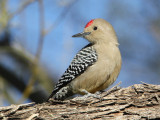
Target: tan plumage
{"type": "Point", "coordinates": [105, 71]}
{"type": "Point", "coordinates": [95, 67]}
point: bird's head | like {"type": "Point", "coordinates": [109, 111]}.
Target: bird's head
{"type": "Point", "coordinates": [98, 31]}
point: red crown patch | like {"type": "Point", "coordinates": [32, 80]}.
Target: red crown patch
{"type": "Point", "coordinates": [89, 23]}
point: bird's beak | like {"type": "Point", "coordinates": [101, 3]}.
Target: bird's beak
{"type": "Point", "coordinates": [82, 34]}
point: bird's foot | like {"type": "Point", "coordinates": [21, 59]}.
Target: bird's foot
{"type": "Point", "coordinates": [88, 94]}
{"type": "Point", "coordinates": [92, 95]}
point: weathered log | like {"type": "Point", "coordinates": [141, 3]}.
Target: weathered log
{"type": "Point", "coordinates": [140, 101]}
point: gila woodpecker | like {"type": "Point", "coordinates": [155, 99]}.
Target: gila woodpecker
{"type": "Point", "coordinates": [95, 67]}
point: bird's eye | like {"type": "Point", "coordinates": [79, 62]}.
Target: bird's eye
{"type": "Point", "coordinates": [95, 28]}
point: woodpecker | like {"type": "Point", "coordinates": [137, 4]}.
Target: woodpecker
{"type": "Point", "coordinates": [95, 67]}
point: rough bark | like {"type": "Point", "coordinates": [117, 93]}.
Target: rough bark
{"type": "Point", "coordinates": [140, 101]}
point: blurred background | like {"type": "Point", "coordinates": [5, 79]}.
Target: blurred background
{"type": "Point", "coordinates": [36, 45]}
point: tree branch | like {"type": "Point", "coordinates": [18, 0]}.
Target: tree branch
{"type": "Point", "coordinates": [140, 101]}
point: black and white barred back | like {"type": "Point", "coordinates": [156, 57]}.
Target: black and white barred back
{"type": "Point", "coordinates": [86, 57]}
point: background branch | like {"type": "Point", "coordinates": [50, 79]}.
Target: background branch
{"type": "Point", "coordinates": [21, 8]}
{"type": "Point", "coordinates": [34, 73]}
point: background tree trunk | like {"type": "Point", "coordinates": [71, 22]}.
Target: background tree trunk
{"type": "Point", "coordinates": [140, 101]}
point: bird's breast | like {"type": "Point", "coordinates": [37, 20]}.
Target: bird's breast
{"type": "Point", "coordinates": [101, 74]}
